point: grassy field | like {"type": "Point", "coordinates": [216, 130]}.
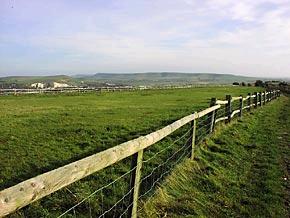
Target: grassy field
{"type": "Point", "coordinates": [242, 171]}
{"type": "Point", "coordinates": [39, 133]}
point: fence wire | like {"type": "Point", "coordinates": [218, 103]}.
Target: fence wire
{"type": "Point", "coordinates": [158, 160]}
{"type": "Point", "coordinates": [114, 199]}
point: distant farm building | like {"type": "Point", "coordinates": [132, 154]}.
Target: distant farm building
{"type": "Point", "coordinates": [60, 85]}
{"type": "Point", "coordinates": [37, 85]}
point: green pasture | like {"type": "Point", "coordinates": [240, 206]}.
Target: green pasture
{"type": "Point", "coordinates": [41, 132]}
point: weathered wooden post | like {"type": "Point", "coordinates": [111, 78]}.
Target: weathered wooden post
{"type": "Point", "coordinates": [241, 106]}
{"type": "Point", "coordinates": [229, 108]}
{"type": "Point", "coordinates": [135, 182]}
{"type": "Point", "coordinates": [264, 102]}
{"type": "Point", "coordinates": [192, 135]}
{"type": "Point", "coordinates": [249, 101]}
{"type": "Point", "coordinates": [260, 99]}
{"type": "Point", "coordinates": [256, 99]}
{"type": "Point", "coordinates": [212, 115]}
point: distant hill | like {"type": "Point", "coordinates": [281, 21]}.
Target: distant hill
{"type": "Point", "coordinates": [26, 81]}
{"type": "Point", "coordinates": [166, 78]}
{"type": "Point", "coordinates": [135, 79]}
{"type": "Point", "coordinates": [32, 79]}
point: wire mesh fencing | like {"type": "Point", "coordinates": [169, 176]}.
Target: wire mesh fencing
{"type": "Point", "coordinates": [115, 198]}
{"type": "Point", "coordinates": [111, 192]}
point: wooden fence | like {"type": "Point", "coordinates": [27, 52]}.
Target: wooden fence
{"type": "Point", "coordinates": [64, 90]}
{"type": "Point", "coordinates": [26, 192]}
{"type": "Point", "coordinates": [17, 91]}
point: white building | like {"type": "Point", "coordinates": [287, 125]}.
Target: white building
{"type": "Point", "coordinates": [60, 85]}
{"type": "Point", "coordinates": [37, 85]}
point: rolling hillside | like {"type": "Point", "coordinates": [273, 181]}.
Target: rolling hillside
{"type": "Point", "coordinates": [26, 81]}
{"type": "Point", "coordinates": [166, 78]}
{"type": "Point", "coordinates": [135, 79]}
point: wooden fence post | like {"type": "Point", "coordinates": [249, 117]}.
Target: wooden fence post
{"type": "Point", "coordinates": [241, 106]}
{"type": "Point", "coordinates": [264, 102]}
{"type": "Point", "coordinates": [271, 95]}
{"type": "Point", "coordinates": [260, 99]}
{"type": "Point", "coordinates": [256, 99]}
{"type": "Point", "coordinates": [249, 101]}
{"type": "Point", "coordinates": [135, 182]}
{"type": "Point", "coordinates": [192, 136]}
{"type": "Point", "coordinates": [229, 108]}
{"type": "Point", "coordinates": [212, 115]}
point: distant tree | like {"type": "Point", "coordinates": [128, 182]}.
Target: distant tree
{"type": "Point", "coordinates": [259, 83]}
{"type": "Point", "coordinates": [243, 84]}
{"type": "Point", "coordinates": [236, 83]}
{"type": "Point", "coordinates": [249, 84]}
{"type": "Point", "coordinates": [283, 83]}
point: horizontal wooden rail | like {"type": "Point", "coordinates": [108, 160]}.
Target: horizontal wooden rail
{"type": "Point", "coordinates": [221, 102]}
{"type": "Point", "coordinates": [207, 111]}
{"type": "Point", "coordinates": [26, 192]}
{"type": "Point", "coordinates": [236, 98]}
{"type": "Point", "coordinates": [235, 112]}
{"type": "Point", "coordinates": [220, 119]}
{"type": "Point", "coordinates": [33, 189]}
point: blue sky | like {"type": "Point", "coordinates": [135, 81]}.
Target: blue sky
{"type": "Point", "coordinates": [246, 37]}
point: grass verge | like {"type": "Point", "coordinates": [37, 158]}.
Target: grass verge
{"type": "Point", "coordinates": [241, 171]}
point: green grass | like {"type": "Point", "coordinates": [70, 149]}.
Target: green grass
{"type": "Point", "coordinates": [242, 171]}
{"type": "Point", "coordinates": [39, 133]}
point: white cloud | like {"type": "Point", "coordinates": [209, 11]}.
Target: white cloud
{"type": "Point", "coordinates": [244, 37]}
